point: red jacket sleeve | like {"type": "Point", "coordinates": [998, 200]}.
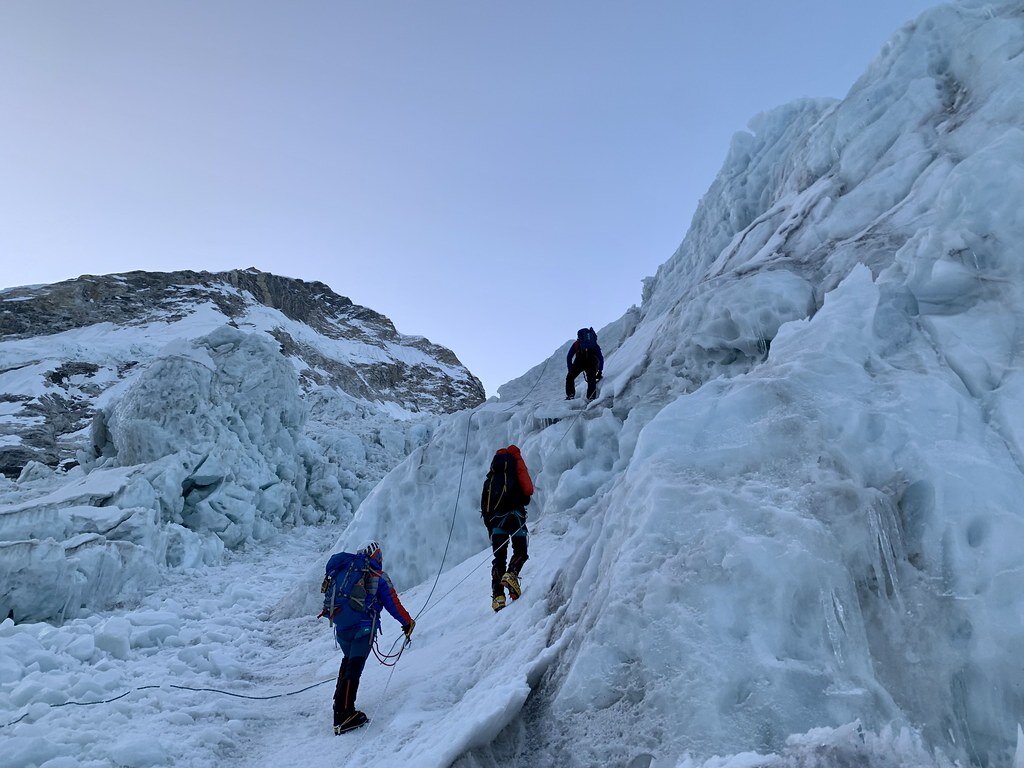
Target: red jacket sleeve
{"type": "Point", "coordinates": [389, 599]}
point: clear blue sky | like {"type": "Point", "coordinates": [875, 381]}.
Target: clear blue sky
{"type": "Point", "coordinates": [492, 175]}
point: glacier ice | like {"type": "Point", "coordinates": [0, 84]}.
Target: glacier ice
{"type": "Point", "coordinates": [799, 483]}
{"type": "Point", "coordinates": [207, 448]}
{"type": "Point", "coordinates": [786, 534]}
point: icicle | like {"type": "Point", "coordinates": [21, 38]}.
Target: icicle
{"type": "Point", "coordinates": [835, 622]}
{"type": "Point", "coordinates": [886, 533]}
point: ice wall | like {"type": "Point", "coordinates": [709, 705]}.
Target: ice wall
{"type": "Point", "coordinates": [794, 504]}
{"type": "Point", "coordinates": [204, 450]}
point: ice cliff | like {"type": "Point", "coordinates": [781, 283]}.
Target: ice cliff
{"type": "Point", "coordinates": [154, 419]}
{"type": "Point", "coordinates": [796, 502]}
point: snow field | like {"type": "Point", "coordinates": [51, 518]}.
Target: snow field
{"type": "Point", "coordinates": [462, 680]}
{"type": "Point", "coordinates": [204, 628]}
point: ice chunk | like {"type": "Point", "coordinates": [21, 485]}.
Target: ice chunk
{"type": "Point", "coordinates": [114, 637]}
{"type": "Point", "coordinates": [138, 750]}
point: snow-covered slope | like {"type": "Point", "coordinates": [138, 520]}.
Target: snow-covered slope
{"type": "Point", "coordinates": [191, 412]}
{"type": "Point", "coordinates": [795, 504]}
{"type": "Point", "coordinates": [786, 534]}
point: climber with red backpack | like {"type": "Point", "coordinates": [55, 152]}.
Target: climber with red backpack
{"type": "Point", "coordinates": [355, 588]}
{"type": "Point", "coordinates": [584, 357]}
{"type": "Point", "coordinates": [507, 491]}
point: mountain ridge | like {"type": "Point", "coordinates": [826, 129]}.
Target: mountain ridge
{"type": "Point", "coordinates": [58, 355]}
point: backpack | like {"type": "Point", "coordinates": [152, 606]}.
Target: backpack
{"type": "Point", "coordinates": [586, 339]}
{"type": "Point", "coordinates": [350, 584]}
{"type": "Point", "coordinates": [501, 488]}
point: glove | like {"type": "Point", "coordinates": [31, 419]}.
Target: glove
{"type": "Point", "coordinates": [408, 628]}
{"type": "Point", "coordinates": [600, 375]}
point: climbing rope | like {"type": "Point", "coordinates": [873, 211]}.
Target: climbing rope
{"type": "Point", "coordinates": [475, 568]}
{"type": "Point", "coordinates": [178, 687]}
{"type": "Point", "coordinates": [458, 494]}
{"type": "Point", "coordinates": [385, 658]}
{"type": "Point", "coordinates": [389, 659]}
{"type": "Point", "coordinates": [387, 683]}
{"type": "Point", "coordinates": [462, 474]}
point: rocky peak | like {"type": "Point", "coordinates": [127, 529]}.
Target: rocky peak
{"type": "Point", "coordinates": [64, 346]}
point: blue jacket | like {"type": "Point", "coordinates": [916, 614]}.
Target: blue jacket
{"type": "Point", "coordinates": [575, 348]}
{"type": "Point", "coordinates": [380, 592]}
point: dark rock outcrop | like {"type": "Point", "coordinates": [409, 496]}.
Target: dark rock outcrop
{"type": "Point", "coordinates": [49, 405]}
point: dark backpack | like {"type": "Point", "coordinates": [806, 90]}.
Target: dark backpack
{"type": "Point", "coordinates": [501, 488]}
{"type": "Point", "coordinates": [350, 584]}
{"type": "Point", "coordinates": [587, 340]}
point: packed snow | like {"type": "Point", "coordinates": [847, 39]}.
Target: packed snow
{"type": "Point", "coordinates": [785, 534]}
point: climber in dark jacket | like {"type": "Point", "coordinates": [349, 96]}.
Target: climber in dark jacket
{"type": "Point", "coordinates": [584, 357]}
{"type": "Point", "coordinates": [356, 623]}
{"type": "Point", "coordinates": [507, 491]}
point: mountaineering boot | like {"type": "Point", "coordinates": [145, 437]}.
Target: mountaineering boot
{"type": "Point", "coordinates": [346, 716]}
{"type": "Point", "coordinates": [342, 707]}
{"type": "Point", "coordinates": [350, 723]}
{"type": "Point", "coordinates": [568, 398]}
{"type": "Point", "coordinates": [511, 583]}
{"type": "Point", "coordinates": [498, 603]}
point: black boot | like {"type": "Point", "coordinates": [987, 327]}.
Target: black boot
{"type": "Point", "coordinates": [340, 695]}
{"type": "Point", "coordinates": [351, 718]}
{"type": "Point", "coordinates": [346, 716]}
{"type": "Point", "coordinates": [356, 720]}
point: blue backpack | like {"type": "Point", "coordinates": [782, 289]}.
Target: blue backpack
{"type": "Point", "coordinates": [587, 339]}
{"type": "Point", "coordinates": [350, 585]}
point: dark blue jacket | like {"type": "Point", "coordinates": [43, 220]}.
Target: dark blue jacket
{"type": "Point", "coordinates": [575, 348]}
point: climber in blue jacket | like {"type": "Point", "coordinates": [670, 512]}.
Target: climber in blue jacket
{"type": "Point", "coordinates": [355, 589]}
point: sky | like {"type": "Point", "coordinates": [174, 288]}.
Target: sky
{"type": "Point", "coordinates": [490, 175]}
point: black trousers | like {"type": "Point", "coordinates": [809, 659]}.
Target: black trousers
{"type": "Point", "coordinates": [499, 546]}
{"type": "Point", "coordinates": [355, 644]}
{"type": "Point", "coordinates": [586, 365]}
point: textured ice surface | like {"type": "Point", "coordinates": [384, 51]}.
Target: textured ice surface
{"type": "Point", "coordinates": [787, 533]}
{"type": "Point", "coordinates": [206, 448]}
{"type": "Point", "coordinates": [800, 483]}
{"type": "Point", "coordinates": [241, 401]}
